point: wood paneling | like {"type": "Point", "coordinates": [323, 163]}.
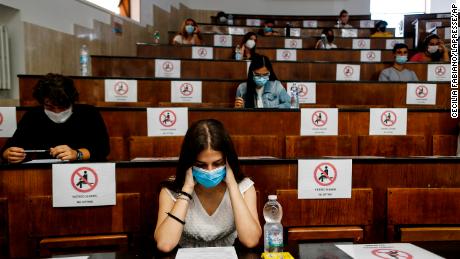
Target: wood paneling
{"type": "Point", "coordinates": [445, 145]}
{"type": "Point", "coordinates": [393, 146]}
{"type": "Point", "coordinates": [432, 207]}
{"type": "Point", "coordinates": [4, 227]}
{"type": "Point", "coordinates": [305, 146]}
{"type": "Point", "coordinates": [237, 70]}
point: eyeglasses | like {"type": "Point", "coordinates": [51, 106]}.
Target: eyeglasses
{"type": "Point", "coordinates": [261, 75]}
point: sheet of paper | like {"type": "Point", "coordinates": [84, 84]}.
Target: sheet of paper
{"type": "Point", "coordinates": [46, 161]}
{"type": "Point", "coordinates": [207, 253]}
{"type": "Point", "coordinates": [146, 159]}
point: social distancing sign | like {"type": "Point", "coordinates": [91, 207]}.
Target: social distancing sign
{"type": "Point", "coordinates": [186, 91]}
{"type": "Point", "coordinates": [120, 90]}
{"type": "Point", "coordinates": [83, 185]}
{"type": "Point", "coordinates": [386, 251]}
{"type": "Point", "coordinates": [361, 44]}
{"type": "Point", "coordinates": [421, 94]}
{"type": "Point", "coordinates": [306, 91]}
{"type": "Point", "coordinates": [349, 33]}
{"type": "Point", "coordinates": [286, 55]}
{"type": "Point", "coordinates": [390, 43]}
{"type": "Point", "coordinates": [371, 56]}
{"type": "Point", "coordinates": [8, 123]}
{"type": "Point", "coordinates": [347, 72]}
{"type": "Point", "coordinates": [391, 121]}
{"type": "Point", "coordinates": [438, 72]}
{"type": "Point", "coordinates": [293, 43]}
{"type": "Point", "coordinates": [202, 52]}
{"type": "Point", "coordinates": [167, 121]}
{"type": "Point", "coordinates": [222, 40]}
{"type": "Point", "coordinates": [167, 68]}
{"type": "Point", "coordinates": [316, 122]}
{"type": "Point", "coordinates": [310, 23]}
{"type": "Point", "coordinates": [324, 179]}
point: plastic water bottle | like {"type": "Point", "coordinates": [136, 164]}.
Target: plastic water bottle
{"type": "Point", "coordinates": [84, 60]}
{"type": "Point", "coordinates": [238, 55]}
{"type": "Point", "coordinates": [230, 19]}
{"type": "Point", "coordinates": [273, 230]}
{"type": "Point", "coordinates": [324, 40]}
{"type": "Point", "coordinates": [156, 37]}
{"type": "Point", "coordinates": [294, 96]}
{"type": "Point", "coordinates": [287, 30]}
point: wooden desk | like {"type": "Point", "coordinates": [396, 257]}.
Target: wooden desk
{"type": "Point", "coordinates": [110, 66]}
{"type": "Point", "coordinates": [307, 42]}
{"type": "Point", "coordinates": [221, 93]}
{"type": "Point", "coordinates": [19, 184]}
{"type": "Point", "coordinates": [222, 53]}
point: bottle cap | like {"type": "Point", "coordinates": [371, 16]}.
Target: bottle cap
{"type": "Point", "coordinates": [272, 197]}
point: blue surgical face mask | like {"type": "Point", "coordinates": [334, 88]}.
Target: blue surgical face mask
{"type": "Point", "coordinates": [268, 29]}
{"type": "Point", "coordinates": [208, 178]}
{"type": "Point", "coordinates": [401, 59]}
{"type": "Point", "coordinates": [261, 80]}
{"type": "Point", "coordinates": [189, 28]}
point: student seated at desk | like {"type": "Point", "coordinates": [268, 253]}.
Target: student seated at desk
{"type": "Point", "coordinates": [209, 202]}
{"type": "Point", "coordinates": [342, 22]}
{"type": "Point", "coordinates": [432, 50]}
{"type": "Point", "coordinates": [327, 40]}
{"type": "Point", "coordinates": [262, 88]}
{"type": "Point", "coordinates": [189, 34]}
{"type": "Point", "coordinates": [398, 72]}
{"type": "Point", "coordinates": [380, 30]}
{"type": "Point", "coordinates": [248, 45]}
{"type": "Point", "coordinates": [267, 30]}
{"type": "Point", "coordinates": [63, 129]}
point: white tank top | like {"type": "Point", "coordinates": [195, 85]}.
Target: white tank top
{"type": "Point", "coordinates": [218, 229]}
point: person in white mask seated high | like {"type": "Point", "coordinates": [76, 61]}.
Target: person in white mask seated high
{"type": "Point", "coordinates": [432, 50]}
{"type": "Point", "coordinates": [58, 128]}
{"type": "Point", "coordinates": [262, 88]}
{"type": "Point", "coordinates": [248, 45]}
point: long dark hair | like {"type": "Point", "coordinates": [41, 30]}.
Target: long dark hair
{"type": "Point", "coordinates": [200, 136]}
{"type": "Point", "coordinates": [424, 47]}
{"type": "Point", "coordinates": [258, 61]}
{"type": "Point", "coordinates": [246, 37]}
{"type": "Point", "coordinates": [60, 90]}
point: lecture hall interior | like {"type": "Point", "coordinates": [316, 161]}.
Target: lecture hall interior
{"type": "Point", "coordinates": [346, 110]}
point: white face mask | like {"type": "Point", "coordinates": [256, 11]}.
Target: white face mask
{"type": "Point", "coordinates": [432, 49]}
{"type": "Point", "coordinates": [250, 44]}
{"type": "Point", "coordinates": [59, 117]}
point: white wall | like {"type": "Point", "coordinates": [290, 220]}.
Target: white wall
{"type": "Point", "coordinates": [441, 6]}
{"type": "Point", "coordinates": [291, 7]}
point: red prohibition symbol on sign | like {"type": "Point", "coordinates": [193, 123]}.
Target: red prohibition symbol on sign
{"type": "Point", "coordinates": [186, 89]}
{"type": "Point", "coordinates": [388, 118]}
{"type": "Point", "coordinates": [348, 71]}
{"type": "Point", "coordinates": [440, 70]}
{"type": "Point", "coordinates": [421, 91]}
{"type": "Point", "coordinates": [325, 174]}
{"type": "Point", "coordinates": [121, 88]}
{"type": "Point", "coordinates": [84, 179]}
{"type": "Point", "coordinates": [168, 66]}
{"type": "Point", "coordinates": [167, 118]}
{"type": "Point", "coordinates": [371, 55]}
{"type": "Point", "coordinates": [202, 52]}
{"type": "Point", "coordinates": [286, 54]}
{"type": "Point", "coordinates": [1, 118]}
{"type": "Point", "coordinates": [293, 43]}
{"type": "Point", "coordinates": [361, 43]}
{"type": "Point", "coordinates": [223, 39]}
{"type": "Point", "coordinates": [303, 90]}
{"type": "Point", "coordinates": [319, 118]}
{"type": "Point", "coordinates": [388, 253]}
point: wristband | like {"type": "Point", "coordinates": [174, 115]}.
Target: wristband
{"type": "Point", "coordinates": [79, 155]}
{"type": "Point", "coordinates": [176, 218]}
{"type": "Point", "coordinates": [186, 194]}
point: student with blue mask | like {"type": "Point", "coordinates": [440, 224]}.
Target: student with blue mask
{"type": "Point", "coordinates": [398, 72]}
{"type": "Point", "coordinates": [209, 202]}
{"type": "Point", "coordinates": [262, 88]}
{"type": "Point", "coordinates": [268, 30]}
{"type": "Point", "coordinates": [189, 34]}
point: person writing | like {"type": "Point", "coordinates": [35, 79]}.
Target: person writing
{"type": "Point", "coordinates": [398, 72]}
{"type": "Point", "coordinates": [433, 50]}
{"type": "Point", "coordinates": [209, 202]}
{"type": "Point", "coordinates": [189, 34]}
{"type": "Point", "coordinates": [58, 128]}
{"type": "Point", "coordinates": [262, 88]}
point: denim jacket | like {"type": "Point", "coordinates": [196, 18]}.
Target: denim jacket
{"type": "Point", "coordinates": [274, 95]}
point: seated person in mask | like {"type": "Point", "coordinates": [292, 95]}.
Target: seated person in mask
{"type": "Point", "coordinates": [221, 18]}
{"type": "Point", "coordinates": [248, 45]}
{"type": "Point", "coordinates": [327, 40]}
{"type": "Point", "coordinates": [380, 30]}
{"type": "Point", "coordinates": [209, 202]}
{"type": "Point", "coordinates": [267, 30]}
{"type": "Point", "coordinates": [433, 50]}
{"type": "Point", "coordinates": [398, 72]}
{"type": "Point", "coordinates": [189, 34]}
{"type": "Point", "coordinates": [62, 129]}
{"type": "Point", "coordinates": [342, 22]}
{"type": "Point", "coordinates": [261, 89]}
